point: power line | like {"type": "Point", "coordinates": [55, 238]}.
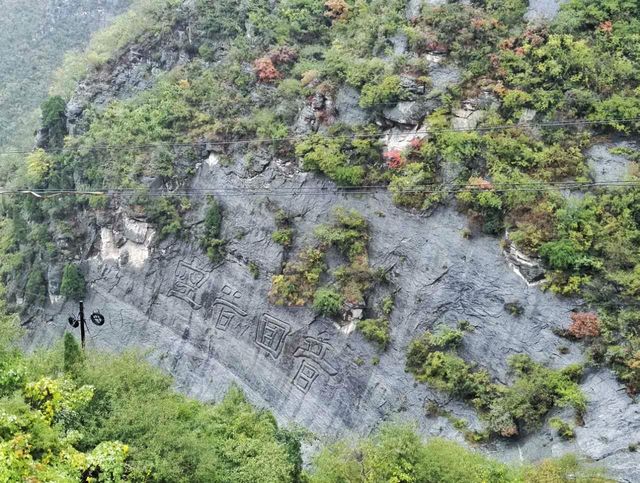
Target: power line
{"type": "Point", "coordinates": [133, 146]}
{"type": "Point", "coordinates": [534, 183]}
{"type": "Point", "coordinates": [330, 191]}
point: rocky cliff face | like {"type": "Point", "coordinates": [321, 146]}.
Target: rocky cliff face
{"type": "Point", "coordinates": [211, 324]}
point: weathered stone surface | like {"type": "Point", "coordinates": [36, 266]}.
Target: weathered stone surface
{"type": "Point", "coordinates": [467, 118]}
{"type": "Point", "coordinates": [543, 10]}
{"type": "Point", "coordinates": [530, 269]}
{"type": "Point", "coordinates": [398, 138]}
{"type": "Point", "coordinates": [443, 76]}
{"type": "Point", "coordinates": [212, 325]}
{"type": "Point", "coordinates": [607, 167]}
{"type": "Point", "coordinates": [410, 112]}
{"type": "Point", "coordinates": [348, 109]}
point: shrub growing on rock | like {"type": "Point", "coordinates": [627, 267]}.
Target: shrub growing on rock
{"type": "Point", "coordinates": [210, 240]}
{"type": "Point", "coordinates": [299, 279]}
{"type": "Point", "coordinates": [376, 330]}
{"type": "Point", "coordinates": [508, 409]}
{"type": "Point", "coordinates": [328, 302]}
{"type": "Point", "coordinates": [584, 325]}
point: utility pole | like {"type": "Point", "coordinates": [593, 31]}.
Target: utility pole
{"type": "Point", "coordinates": [97, 318]}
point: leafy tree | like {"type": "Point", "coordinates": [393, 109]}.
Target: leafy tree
{"type": "Point", "coordinates": [73, 285]}
{"type": "Point", "coordinates": [54, 122]}
{"type": "Point", "coordinates": [73, 356]}
{"type": "Point", "coordinates": [210, 240]}
{"type": "Point", "coordinates": [36, 288]}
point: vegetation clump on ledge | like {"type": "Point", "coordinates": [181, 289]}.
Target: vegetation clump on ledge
{"type": "Point", "coordinates": [509, 410]}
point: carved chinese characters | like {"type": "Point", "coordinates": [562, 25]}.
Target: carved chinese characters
{"type": "Point", "coordinates": [271, 334]}
{"type": "Point", "coordinates": [187, 281]}
{"type": "Point", "coordinates": [229, 318]}
{"type": "Point", "coordinates": [226, 308]}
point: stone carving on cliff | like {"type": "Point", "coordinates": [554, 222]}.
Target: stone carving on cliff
{"type": "Point", "coordinates": [312, 353]}
{"type": "Point", "coordinates": [186, 283]}
{"type": "Point", "coordinates": [226, 308]}
{"type": "Point", "coordinates": [271, 334]}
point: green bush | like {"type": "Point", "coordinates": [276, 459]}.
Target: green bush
{"type": "Point", "coordinates": [297, 284]}
{"type": "Point", "coordinates": [388, 90]}
{"type": "Point", "coordinates": [165, 215]}
{"type": "Point", "coordinates": [327, 302]}
{"type": "Point", "coordinates": [376, 330]}
{"type": "Point", "coordinates": [348, 232]}
{"type": "Point", "coordinates": [54, 122]}
{"type": "Point", "coordinates": [72, 356]}
{"type": "Point", "coordinates": [508, 409]}
{"type": "Point", "coordinates": [283, 237]}
{"type": "Point", "coordinates": [396, 453]}
{"type": "Point", "coordinates": [348, 162]}
{"type": "Point", "coordinates": [36, 288]}
{"type": "Point", "coordinates": [210, 240]}
{"type": "Point", "coordinates": [565, 430]}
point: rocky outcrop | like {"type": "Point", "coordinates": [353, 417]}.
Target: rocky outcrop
{"type": "Point", "coordinates": [136, 68]}
{"type": "Point", "coordinates": [606, 166]}
{"type": "Point", "coordinates": [543, 10]}
{"type": "Point", "coordinates": [211, 325]}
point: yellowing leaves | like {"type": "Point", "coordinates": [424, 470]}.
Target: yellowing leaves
{"type": "Point", "coordinates": [38, 166]}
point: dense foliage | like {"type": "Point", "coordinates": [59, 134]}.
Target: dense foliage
{"type": "Point", "coordinates": [508, 410]}
{"type": "Point", "coordinates": [67, 418]}
{"type": "Point", "coordinates": [395, 453]}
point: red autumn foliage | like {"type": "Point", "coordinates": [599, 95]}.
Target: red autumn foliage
{"type": "Point", "coordinates": [416, 143]}
{"type": "Point", "coordinates": [481, 183]}
{"type": "Point", "coordinates": [519, 51]}
{"type": "Point", "coordinates": [606, 27]}
{"type": "Point", "coordinates": [508, 44]}
{"type": "Point", "coordinates": [535, 38]}
{"type": "Point", "coordinates": [479, 23]}
{"type": "Point", "coordinates": [584, 324]}
{"type": "Point", "coordinates": [394, 159]}
{"type": "Point", "coordinates": [436, 47]}
{"type": "Point", "coordinates": [265, 70]}
{"type": "Point", "coordinates": [283, 55]}
{"type": "Point", "coordinates": [509, 431]}
{"type": "Point", "coordinates": [336, 9]}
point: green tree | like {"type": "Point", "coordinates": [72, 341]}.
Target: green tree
{"type": "Point", "coordinates": [54, 122]}
{"type": "Point", "coordinates": [328, 302]}
{"type": "Point", "coordinates": [210, 240]}
{"type": "Point", "coordinates": [73, 357]}
{"type": "Point", "coordinates": [73, 285]}
{"type": "Point", "coordinates": [36, 288]}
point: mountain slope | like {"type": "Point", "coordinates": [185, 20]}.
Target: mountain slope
{"type": "Point", "coordinates": [34, 39]}
{"type": "Point", "coordinates": [445, 130]}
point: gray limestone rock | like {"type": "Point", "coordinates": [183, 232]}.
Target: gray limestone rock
{"type": "Point", "coordinates": [607, 167]}
{"type": "Point", "coordinates": [211, 325]}
{"type": "Point", "coordinates": [543, 10]}
{"type": "Point", "coordinates": [410, 112]}
{"type": "Point", "coordinates": [347, 107]}
{"type": "Point", "coordinates": [443, 76]}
